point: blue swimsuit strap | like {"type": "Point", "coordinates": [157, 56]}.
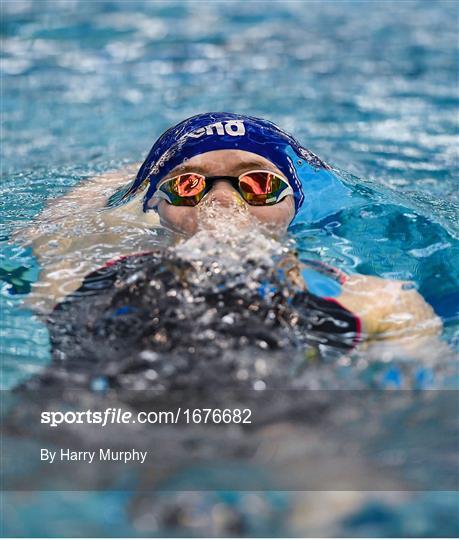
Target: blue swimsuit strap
{"type": "Point", "coordinates": [322, 280]}
{"type": "Point", "coordinates": [324, 287]}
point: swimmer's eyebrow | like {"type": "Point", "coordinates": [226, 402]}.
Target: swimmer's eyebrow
{"type": "Point", "coordinates": [241, 167]}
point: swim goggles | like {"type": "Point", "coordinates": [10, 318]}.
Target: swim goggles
{"type": "Point", "coordinates": [257, 188]}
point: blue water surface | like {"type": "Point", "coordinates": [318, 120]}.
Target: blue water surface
{"type": "Point", "coordinates": [371, 87]}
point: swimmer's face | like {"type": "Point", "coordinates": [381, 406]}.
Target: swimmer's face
{"type": "Point", "coordinates": [186, 219]}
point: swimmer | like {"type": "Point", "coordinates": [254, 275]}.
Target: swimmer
{"type": "Point", "coordinates": [225, 161]}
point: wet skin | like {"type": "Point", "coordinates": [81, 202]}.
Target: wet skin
{"type": "Point", "coordinates": [186, 219]}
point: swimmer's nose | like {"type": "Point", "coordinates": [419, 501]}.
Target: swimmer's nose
{"type": "Point", "coordinates": [223, 193]}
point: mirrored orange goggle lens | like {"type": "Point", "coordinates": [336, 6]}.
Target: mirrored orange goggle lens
{"type": "Point", "coordinates": [260, 188]}
{"type": "Point", "coordinates": [187, 185]}
{"type": "Point", "coordinates": [261, 183]}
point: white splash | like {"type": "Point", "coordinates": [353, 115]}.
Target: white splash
{"type": "Point", "coordinates": [228, 238]}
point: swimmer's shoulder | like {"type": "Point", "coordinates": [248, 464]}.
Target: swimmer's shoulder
{"type": "Point", "coordinates": [389, 308]}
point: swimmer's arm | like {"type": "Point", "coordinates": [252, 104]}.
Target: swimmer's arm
{"type": "Point", "coordinates": [91, 194]}
{"type": "Point", "coordinates": [76, 233]}
{"type": "Point", "coordinates": [77, 219]}
{"type": "Point", "coordinates": [390, 309]}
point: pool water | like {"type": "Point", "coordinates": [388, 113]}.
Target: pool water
{"type": "Point", "coordinates": [369, 87]}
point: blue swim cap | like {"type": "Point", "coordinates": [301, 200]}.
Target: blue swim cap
{"type": "Point", "coordinates": [224, 131]}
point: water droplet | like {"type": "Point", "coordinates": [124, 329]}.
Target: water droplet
{"type": "Point", "coordinates": [149, 356]}
{"type": "Point", "coordinates": [259, 386]}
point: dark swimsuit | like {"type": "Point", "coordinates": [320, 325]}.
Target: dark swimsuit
{"type": "Point", "coordinates": [327, 319]}
{"type": "Point", "coordinates": [148, 308]}
{"type": "Point", "coordinates": [338, 327]}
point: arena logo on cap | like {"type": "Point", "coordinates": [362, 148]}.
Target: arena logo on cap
{"type": "Point", "coordinates": [234, 128]}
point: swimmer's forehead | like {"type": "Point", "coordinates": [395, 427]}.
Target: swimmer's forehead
{"type": "Point", "coordinates": [224, 162]}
